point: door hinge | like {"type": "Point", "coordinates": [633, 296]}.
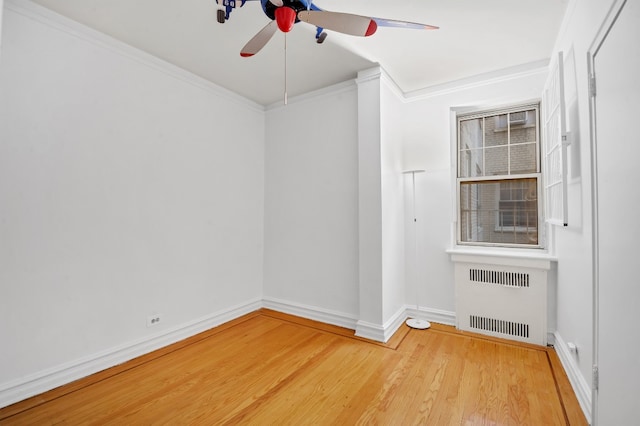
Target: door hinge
{"type": "Point", "coordinates": [595, 378]}
{"type": "Point", "coordinates": [592, 86]}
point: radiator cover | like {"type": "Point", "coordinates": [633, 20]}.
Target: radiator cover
{"type": "Point", "coordinates": [502, 296]}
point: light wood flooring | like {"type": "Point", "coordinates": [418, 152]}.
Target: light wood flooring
{"type": "Point", "coordinates": [268, 368]}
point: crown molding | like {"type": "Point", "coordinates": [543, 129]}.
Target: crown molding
{"type": "Point", "coordinates": [61, 23]}
{"type": "Point", "coordinates": [480, 80]}
{"type": "Point", "coordinates": [332, 90]}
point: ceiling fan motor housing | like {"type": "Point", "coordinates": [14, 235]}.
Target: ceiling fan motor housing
{"type": "Point", "coordinates": [286, 18]}
{"type": "Point", "coordinates": [296, 5]}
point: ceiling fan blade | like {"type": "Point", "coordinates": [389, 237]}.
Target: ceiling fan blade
{"type": "Point", "coordinates": [258, 41]}
{"type": "Point", "coordinates": [403, 24]}
{"type": "Point", "coordinates": [277, 3]}
{"type": "Point", "coordinates": [346, 23]}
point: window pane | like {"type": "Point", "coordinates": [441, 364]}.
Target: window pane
{"type": "Point", "coordinates": [524, 159]}
{"type": "Point", "coordinates": [502, 212]}
{"type": "Point", "coordinates": [497, 146]}
{"type": "Point", "coordinates": [471, 134]}
{"type": "Point", "coordinates": [497, 161]}
{"type": "Point", "coordinates": [495, 133]}
{"type": "Point", "coordinates": [471, 163]}
{"type": "Point", "coordinates": [523, 127]}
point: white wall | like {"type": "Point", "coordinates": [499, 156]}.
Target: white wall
{"type": "Point", "coordinates": [311, 207]}
{"type": "Point", "coordinates": [573, 243]}
{"type": "Point", "coordinates": [312, 190]}
{"type": "Point", "coordinates": [427, 145]}
{"type": "Point", "coordinates": [127, 187]}
{"type": "Point", "coordinates": [334, 230]}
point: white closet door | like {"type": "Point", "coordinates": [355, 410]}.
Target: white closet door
{"type": "Point", "coordinates": [1, 10]}
{"type": "Point", "coordinates": [616, 65]}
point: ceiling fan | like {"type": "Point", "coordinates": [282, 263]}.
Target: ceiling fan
{"type": "Point", "coordinates": [285, 13]}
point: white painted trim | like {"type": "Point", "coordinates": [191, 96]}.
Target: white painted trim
{"type": "Point", "coordinates": [379, 73]}
{"type": "Point", "coordinates": [332, 90]}
{"type": "Point", "coordinates": [577, 380]}
{"type": "Point", "coordinates": [391, 84]}
{"type": "Point", "coordinates": [394, 323]}
{"type": "Point", "coordinates": [536, 259]}
{"type": "Point", "coordinates": [381, 333]}
{"type": "Point", "coordinates": [310, 312]}
{"type": "Point", "coordinates": [432, 315]}
{"type": "Point", "coordinates": [480, 80]}
{"type": "Point", "coordinates": [61, 23]}
{"type": "Point", "coordinates": [370, 74]}
{"type": "Point", "coordinates": [42, 381]}
{"type": "Point", "coordinates": [371, 331]}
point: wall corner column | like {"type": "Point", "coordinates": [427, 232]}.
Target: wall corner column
{"type": "Point", "coordinates": [370, 323]}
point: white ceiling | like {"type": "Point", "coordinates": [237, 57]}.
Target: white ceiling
{"type": "Point", "coordinates": [475, 37]}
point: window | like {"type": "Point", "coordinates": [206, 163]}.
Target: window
{"type": "Point", "coordinates": [499, 177]}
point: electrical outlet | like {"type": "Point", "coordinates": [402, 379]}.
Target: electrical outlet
{"type": "Point", "coordinates": [153, 320]}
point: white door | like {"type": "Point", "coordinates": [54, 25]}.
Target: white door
{"type": "Point", "coordinates": [616, 119]}
{"type": "Point", "coordinates": [1, 9]}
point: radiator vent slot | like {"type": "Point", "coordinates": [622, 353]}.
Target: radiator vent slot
{"type": "Point", "coordinates": [509, 279]}
{"type": "Point", "coordinates": [499, 326]}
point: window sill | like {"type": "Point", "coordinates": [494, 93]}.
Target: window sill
{"type": "Point", "coordinates": [533, 258]}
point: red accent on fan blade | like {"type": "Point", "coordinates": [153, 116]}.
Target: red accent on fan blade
{"type": "Point", "coordinates": [259, 40]}
{"type": "Point", "coordinates": [372, 28]}
{"type": "Point", "coordinates": [285, 17]}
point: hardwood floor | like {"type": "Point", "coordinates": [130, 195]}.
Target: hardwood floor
{"type": "Point", "coordinates": [272, 368]}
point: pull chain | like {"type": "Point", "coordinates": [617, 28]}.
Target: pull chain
{"type": "Point", "coordinates": [285, 69]}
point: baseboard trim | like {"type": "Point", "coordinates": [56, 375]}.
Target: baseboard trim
{"type": "Point", "coordinates": [310, 312]}
{"type": "Point", "coordinates": [432, 315]}
{"type": "Point", "coordinates": [381, 333]}
{"type": "Point", "coordinates": [577, 380]}
{"type": "Point", "coordinates": [367, 330]}
{"type": "Point", "coordinates": [371, 331]}
{"type": "Point", "coordinates": [43, 381]}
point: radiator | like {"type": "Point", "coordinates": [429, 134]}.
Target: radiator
{"type": "Point", "coordinates": [502, 297]}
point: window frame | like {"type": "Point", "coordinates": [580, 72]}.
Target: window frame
{"type": "Point", "coordinates": [537, 175]}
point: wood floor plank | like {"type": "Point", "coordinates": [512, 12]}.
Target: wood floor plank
{"type": "Point", "coordinates": [97, 377]}
{"type": "Point", "coordinates": [273, 368]}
